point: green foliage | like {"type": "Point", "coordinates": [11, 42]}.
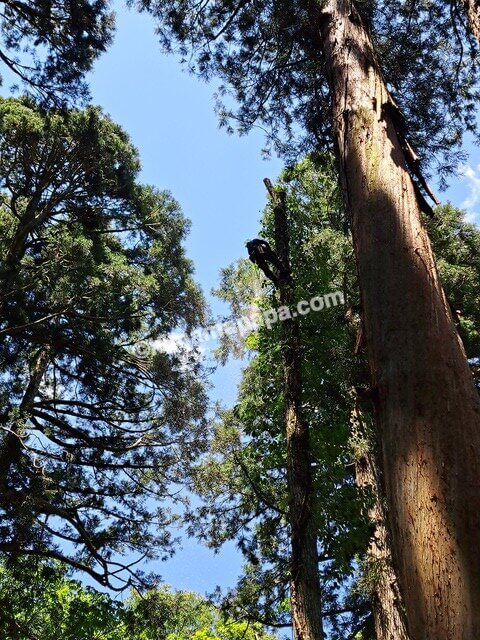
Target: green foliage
{"type": "Point", "coordinates": [50, 44]}
{"type": "Point", "coordinates": [457, 248]}
{"type": "Point", "coordinates": [92, 267]}
{"type": "Point", "coordinates": [182, 615]}
{"type": "Point", "coordinates": [243, 482]}
{"type": "Point", "coordinates": [40, 602]}
{"type": "Point", "coordinates": [268, 55]}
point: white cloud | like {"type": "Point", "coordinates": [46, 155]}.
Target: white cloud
{"type": "Point", "coordinates": [178, 344]}
{"type": "Point", "coordinates": [173, 343]}
{"type": "Point", "coordinates": [471, 176]}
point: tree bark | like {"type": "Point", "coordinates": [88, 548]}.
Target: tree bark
{"type": "Point", "coordinates": [387, 605]}
{"type": "Point", "coordinates": [305, 591]}
{"type": "Point", "coordinates": [427, 408]}
{"type": "Point", "coordinates": [472, 9]}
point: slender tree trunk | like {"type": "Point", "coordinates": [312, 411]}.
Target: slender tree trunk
{"type": "Point", "coordinates": [428, 410]}
{"type": "Point", "coordinates": [387, 606]}
{"type": "Point", "coordinates": [472, 9]}
{"type": "Point", "coordinates": [306, 597]}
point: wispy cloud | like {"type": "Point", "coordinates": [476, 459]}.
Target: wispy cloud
{"type": "Point", "coordinates": [173, 343]}
{"type": "Point", "coordinates": [186, 349]}
{"type": "Point", "coordinates": [471, 176]}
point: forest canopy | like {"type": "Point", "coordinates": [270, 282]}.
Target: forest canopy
{"type": "Point", "coordinates": [346, 471]}
{"type": "Point", "coordinates": [49, 45]}
{"type": "Point", "coordinates": [268, 57]}
{"type": "Point", "coordinates": [94, 433]}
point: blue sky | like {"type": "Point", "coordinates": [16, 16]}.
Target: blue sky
{"type": "Point", "coordinates": [217, 178]}
{"type": "Point", "coordinates": [218, 181]}
{"type": "Point", "coordinates": [169, 115]}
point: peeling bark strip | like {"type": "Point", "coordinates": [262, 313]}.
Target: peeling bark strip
{"type": "Point", "coordinates": [428, 410]}
{"type": "Point", "coordinates": [305, 591]}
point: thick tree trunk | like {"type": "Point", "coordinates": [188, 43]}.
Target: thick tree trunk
{"type": "Point", "coordinates": [305, 596]}
{"type": "Point", "coordinates": [472, 9]}
{"type": "Point", "coordinates": [387, 606]}
{"type": "Point", "coordinates": [428, 410]}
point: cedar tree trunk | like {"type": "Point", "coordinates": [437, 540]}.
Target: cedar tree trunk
{"type": "Point", "coordinates": [427, 407]}
{"type": "Point", "coordinates": [305, 592]}
{"type": "Point", "coordinates": [472, 9]}
{"type": "Point", "coordinates": [388, 611]}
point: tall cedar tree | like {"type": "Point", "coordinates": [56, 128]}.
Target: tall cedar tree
{"type": "Point", "coordinates": [246, 496]}
{"type": "Point", "coordinates": [305, 592]}
{"type": "Point", "coordinates": [332, 67]}
{"type": "Point", "coordinates": [93, 431]}
{"type": "Point", "coordinates": [49, 45]}
{"type": "Point", "coordinates": [430, 443]}
{"type": "Point", "coordinates": [244, 481]}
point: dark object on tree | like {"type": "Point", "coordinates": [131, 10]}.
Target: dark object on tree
{"type": "Point", "coordinates": [413, 161]}
{"type": "Point", "coordinates": [261, 254]}
{"type": "Point", "coordinates": [305, 591]}
{"type": "Point", "coordinates": [365, 394]}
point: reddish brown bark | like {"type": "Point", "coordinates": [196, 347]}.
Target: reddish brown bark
{"type": "Point", "coordinates": [305, 591]}
{"type": "Point", "coordinates": [428, 410]}
{"type": "Point", "coordinates": [387, 606]}
{"type": "Point", "coordinates": [472, 9]}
